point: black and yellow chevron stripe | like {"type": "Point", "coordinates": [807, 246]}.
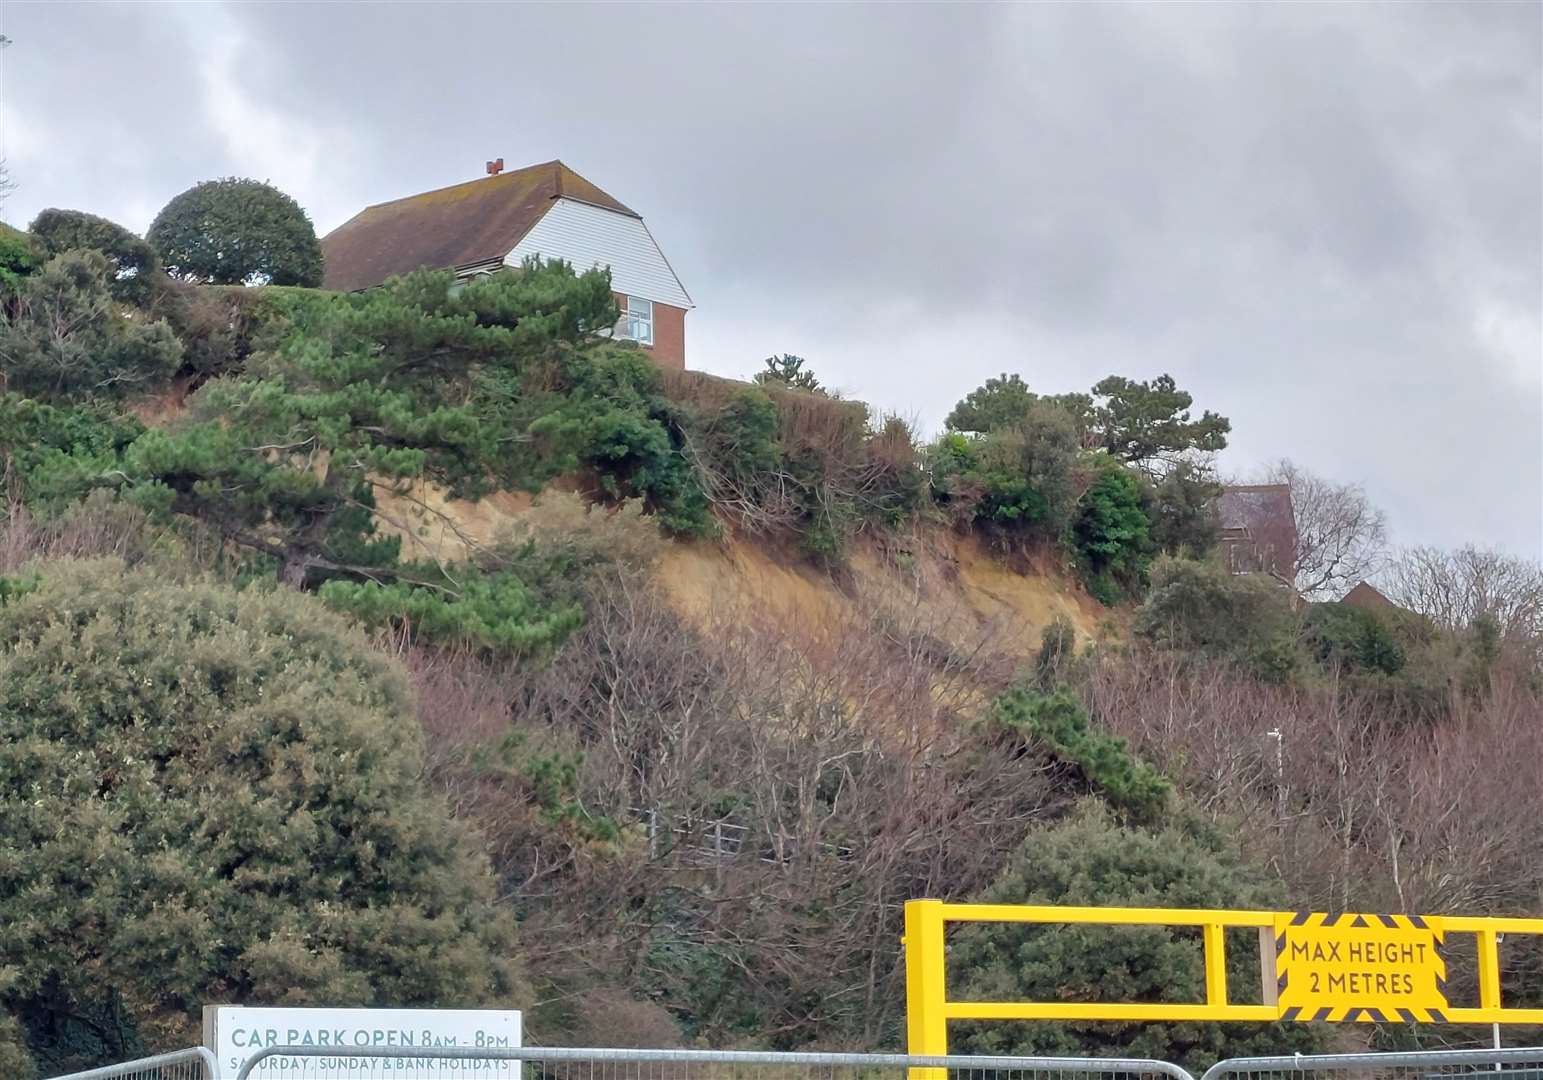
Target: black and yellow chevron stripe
{"type": "Point", "coordinates": [1361, 1014]}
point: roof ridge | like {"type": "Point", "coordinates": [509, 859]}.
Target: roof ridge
{"type": "Point", "coordinates": [467, 183]}
{"type": "Point", "coordinates": [456, 224]}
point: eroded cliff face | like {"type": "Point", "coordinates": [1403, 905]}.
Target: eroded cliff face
{"type": "Point", "coordinates": [936, 577]}
{"type": "Point", "coordinates": [933, 575]}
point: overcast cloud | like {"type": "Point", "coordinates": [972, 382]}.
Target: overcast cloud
{"type": "Point", "coordinates": [1324, 220]}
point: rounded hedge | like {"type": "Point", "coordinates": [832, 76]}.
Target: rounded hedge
{"type": "Point", "coordinates": [236, 231]}
{"type": "Point", "coordinates": [133, 262]}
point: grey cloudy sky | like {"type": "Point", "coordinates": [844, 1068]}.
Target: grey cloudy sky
{"type": "Point", "coordinates": [1324, 219]}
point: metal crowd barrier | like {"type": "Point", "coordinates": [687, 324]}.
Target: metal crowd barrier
{"type": "Point", "coordinates": [1525, 1063]}
{"type": "Point", "coordinates": [194, 1064]}
{"type": "Point", "coordinates": [536, 1063]}
{"type": "Point", "coordinates": [544, 1063]}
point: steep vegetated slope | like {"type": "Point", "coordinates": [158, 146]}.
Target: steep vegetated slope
{"type": "Point", "coordinates": [717, 674]}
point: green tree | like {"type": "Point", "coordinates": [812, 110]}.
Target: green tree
{"type": "Point", "coordinates": [1182, 508]}
{"type": "Point", "coordinates": [66, 337]}
{"type": "Point", "coordinates": [500, 385]}
{"type": "Point", "coordinates": [1147, 424]}
{"type": "Point", "coordinates": [1021, 478]}
{"type": "Point", "coordinates": [788, 370]}
{"type": "Point", "coordinates": [15, 1061]}
{"type": "Point", "coordinates": [612, 418]}
{"type": "Point", "coordinates": [132, 261]}
{"type": "Point", "coordinates": [54, 455]}
{"type": "Point", "coordinates": [1111, 534]}
{"type": "Point", "coordinates": [999, 403]}
{"type": "Point", "coordinates": [1091, 860]}
{"type": "Point", "coordinates": [211, 795]}
{"type": "Point", "coordinates": [1351, 639]}
{"type": "Point", "coordinates": [1058, 722]}
{"type": "Point", "coordinates": [365, 392]}
{"type": "Point", "coordinates": [1199, 607]}
{"type": "Point", "coordinates": [1005, 402]}
{"type": "Point", "coordinates": [18, 257]}
{"type": "Point", "coordinates": [1057, 653]}
{"type": "Point", "coordinates": [236, 231]}
{"type": "Point", "coordinates": [491, 608]}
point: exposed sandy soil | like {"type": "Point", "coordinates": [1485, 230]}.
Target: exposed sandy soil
{"type": "Point", "coordinates": [946, 578]}
{"type": "Point", "coordinates": [435, 527]}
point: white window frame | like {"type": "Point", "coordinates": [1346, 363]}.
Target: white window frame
{"type": "Point", "coordinates": [459, 284]}
{"type": "Point", "coordinates": [637, 321]}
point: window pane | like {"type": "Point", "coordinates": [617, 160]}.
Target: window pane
{"type": "Point", "coordinates": [639, 306]}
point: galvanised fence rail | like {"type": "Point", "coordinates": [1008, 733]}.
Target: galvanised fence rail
{"type": "Point", "coordinates": [533, 1063]}
{"type": "Point", "coordinates": [1519, 1064]}
{"type": "Point", "coordinates": [538, 1063]}
{"type": "Point", "coordinates": [194, 1064]}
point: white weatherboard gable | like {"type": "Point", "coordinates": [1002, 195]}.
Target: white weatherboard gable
{"type": "Point", "coordinates": [588, 236]}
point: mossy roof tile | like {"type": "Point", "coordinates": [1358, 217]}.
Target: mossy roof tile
{"type": "Point", "coordinates": [453, 226]}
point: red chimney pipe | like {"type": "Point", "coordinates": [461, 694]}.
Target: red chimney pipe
{"type": "Point", "coordinates": [495, 167]}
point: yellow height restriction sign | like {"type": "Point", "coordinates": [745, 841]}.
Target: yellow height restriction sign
{"type": "Point", "coordinates": [1313, 966]}
{"type": "Point", "coordinates": [1360, 967]}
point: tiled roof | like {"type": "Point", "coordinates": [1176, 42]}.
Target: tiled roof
{"type": "Point", "coordinates": [1368, 597]}
{"type": "Point", "coordinates": [1245, 506]}
{"type": "Point", "coordinates": [468, 223]}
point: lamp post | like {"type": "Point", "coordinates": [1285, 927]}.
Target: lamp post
{"type": "Point", "coordinates": [1280, 774]}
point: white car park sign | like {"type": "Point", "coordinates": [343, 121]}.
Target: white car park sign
{"type": "Point", "coordinates": [236, 1033]}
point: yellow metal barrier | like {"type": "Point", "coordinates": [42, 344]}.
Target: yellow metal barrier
{"type": "Point", "coordinates": [1333, 967]}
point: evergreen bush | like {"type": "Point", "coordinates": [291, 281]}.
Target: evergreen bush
{"type": "Point", "coordinates": [211, 795]}
{"type": "Point", "coordinates": [1090, 860]}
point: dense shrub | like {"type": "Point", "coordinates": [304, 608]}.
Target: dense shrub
{"type": "Point", "coordinates": [209, 795]}
{"type": "Point", "coordinates": [1058, 722]}
{"type": "Point", "coordinates": [1348, 638]}
{"type": "Point", "coordinates": [1182, 508]}
{"type": "Point", "coordinates": [237, 232]}
{"type": "Point", "coordinates": [66, 337]}
{"type": "Point", "coordinates": [15, 1061]}
{"type": "Point", "coordinates": [18, 257]}
{"type": "Point", "coordinates": [1090, 860]}
{"type": "Point", "coordinates": [53, 455]}
{"type": "Point", "coordinates": [613, 420]}
{"type": "Point", "coordinates": [1110, 536]}
{"type": "Point", "coordinates": [133, 263]}
{"type": "Point", "coordinates": [1018, 480]}
{"type": "Point", "coordinates": [774, 459]}
{"type": "Point", "coordinates": [1200, 607]}
{"type": "Point", "coordinates": [1057, 653]}
{"type": "Point", "coordinates": [738, 441]}
{"type": "Point", "coordinates": [898, 488]}
{"type": "Point", "coordinates": [219, 327]}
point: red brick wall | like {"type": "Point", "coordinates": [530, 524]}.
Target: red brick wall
{"type": "Point", "coordinates": [669, 336]}
{"type": "Point", "coordinates": [669, 347]}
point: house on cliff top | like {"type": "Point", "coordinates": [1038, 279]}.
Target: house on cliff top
{"type": "Point", "coordinates": [1258, 530]}
{"type": "Point", "coordinates": [500, 220]}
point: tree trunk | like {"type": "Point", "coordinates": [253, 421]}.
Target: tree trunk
{"type": "Point", "coordinates": [293, 569]}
